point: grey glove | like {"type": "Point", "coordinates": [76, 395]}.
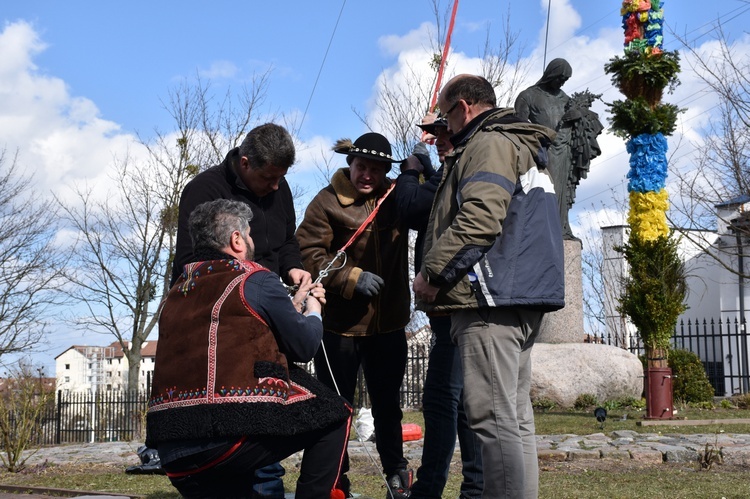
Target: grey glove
{"type": "Point", "coordinates": [368, 284]}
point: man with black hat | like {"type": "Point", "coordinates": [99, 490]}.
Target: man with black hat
{"type": "Point", "coordinates": [444, 417]}
{"type": "Point", "coordinates": [368, 293]}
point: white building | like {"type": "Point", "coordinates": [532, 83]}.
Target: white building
{"type": "Point", "coordinates": [715, 264]}
{"type": "Point", "coordinates": [92, 368]}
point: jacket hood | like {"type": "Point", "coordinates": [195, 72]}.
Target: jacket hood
{"type": "Point", "coordinates": [536, 138]}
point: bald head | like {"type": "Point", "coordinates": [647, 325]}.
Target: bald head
{"type": "Point", "coordinates": [463, 98]}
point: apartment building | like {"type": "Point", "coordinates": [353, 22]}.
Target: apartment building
{"type": "Point", "coordinates": [91, 368]}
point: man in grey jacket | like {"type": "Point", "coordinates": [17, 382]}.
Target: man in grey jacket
{"type": "Point", "coordinates": [493, 260]}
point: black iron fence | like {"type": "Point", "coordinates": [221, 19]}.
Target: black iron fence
{"type": "Point", "coordinates": [107, 416]}
{"type": "Point", "coordinates": [113, 415]}
{"type": "Point", "coordinates": [103, 416]}
{"type": "Point", "coordinates": [721, 345]}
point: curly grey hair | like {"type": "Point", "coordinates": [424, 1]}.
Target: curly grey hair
{"type": "Point", "coordinates": [212, 223]}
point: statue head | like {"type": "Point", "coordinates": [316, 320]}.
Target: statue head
{"type": "Point", "coordinates": [558, 71]}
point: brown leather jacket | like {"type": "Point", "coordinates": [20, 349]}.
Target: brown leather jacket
{"type": "Point", "coordinates": [332, 217]}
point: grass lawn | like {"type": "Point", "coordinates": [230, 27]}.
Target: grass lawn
{"type": "Point", "coordinates": [578, 479]}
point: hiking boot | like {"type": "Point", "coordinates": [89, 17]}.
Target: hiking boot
{"type": "Point", "coordinates": [399, 485]}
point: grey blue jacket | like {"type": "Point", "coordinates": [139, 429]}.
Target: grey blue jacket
{"type": "Point", "coordinates": [494, 237]}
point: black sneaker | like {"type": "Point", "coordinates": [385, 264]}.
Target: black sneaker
{"type": "Point", "coordinates": [399, 485]}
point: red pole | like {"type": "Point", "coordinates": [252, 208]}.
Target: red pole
{"type": "Point", "coordinates": [446, 47]}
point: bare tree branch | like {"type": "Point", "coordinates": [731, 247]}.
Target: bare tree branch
{"type": "Point", "coordinates": [30, 264]}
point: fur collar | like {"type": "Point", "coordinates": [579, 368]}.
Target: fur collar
{"type": "Point", "coordinates": [344, 189]}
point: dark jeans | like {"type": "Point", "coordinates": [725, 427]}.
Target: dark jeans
{"type": "Point", "coordinates": [444, 417]}
{"type": "Point", "coordinates": [233, 476]}
{"type": "Point", "coordinates": [383, 361]}
{"type": "Point", "coordinates": [268, 482]}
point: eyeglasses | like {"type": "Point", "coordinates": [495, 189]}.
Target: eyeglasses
{"type": "Point", "coordinates": [445, 114]}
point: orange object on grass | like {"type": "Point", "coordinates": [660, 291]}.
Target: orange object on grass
{"type": "Point", "coordinates": [411, 431]}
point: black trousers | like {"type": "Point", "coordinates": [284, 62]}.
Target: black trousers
{"type": "Point", "coordinates": [233, 476]}
{"type": "Point", "coordinates": [383, 361]}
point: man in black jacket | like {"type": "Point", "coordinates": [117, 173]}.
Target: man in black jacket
{"type": "Point", "coordinates": [444, 417]}
{"type": "Point", "coordinates": [253, 174]}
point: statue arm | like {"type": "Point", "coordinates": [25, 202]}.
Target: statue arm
{"type": "Point", "coordinates": [522, 108]}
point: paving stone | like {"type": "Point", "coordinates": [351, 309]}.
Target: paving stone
{"type": "Point", "coordinates": [642, 455]}
{"type": "Point", "coordinates": [552, 456]}
{"type": "Point", "coordinates": [613, 453]}
{"type": "Point", "coordinates": [581, 454]}
{"type": "Point", "coordinates": [737, 456]}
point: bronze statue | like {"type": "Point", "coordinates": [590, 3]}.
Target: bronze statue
{"type": "Point", "coordinates": [576, 125]}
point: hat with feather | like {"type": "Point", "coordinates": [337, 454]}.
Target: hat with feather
{"type": "Point", "coordinates": [370, 145]}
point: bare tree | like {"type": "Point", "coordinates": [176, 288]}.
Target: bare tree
{"type": "Point", "coordinates": [502, 63]}
{"type": "Point", "coordinates": [402, 105]}
{"type": "Point", "coordinates": [721, 171]}
{"type": "Point", "coordinates": [123, 257]}
{"type": "Point", "coordinates": [30, 275]}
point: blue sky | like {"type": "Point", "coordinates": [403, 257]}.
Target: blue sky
{"type": "Point", "coordinates": [78, 80]}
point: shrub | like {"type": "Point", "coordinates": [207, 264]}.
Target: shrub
{"type": "Point", "coordinates": [21, 408]}
{"type": "Point", "coordinates": [726, 404]}
{"type": "Point", "coordinates": [585, 400]}
{"type": "Point", "coordinates": [543, 404]}
{"type": "Point", "coordinates": [632, 402]}
{"type": "Point", "coordinates": [742, 401]}
{"type": "Point", "coordinates": [689, 381]}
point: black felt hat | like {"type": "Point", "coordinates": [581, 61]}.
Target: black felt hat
{"type": "Point", "coordinates": [432, 127]}
{"type": "Point", "coordinates": [370, 145]}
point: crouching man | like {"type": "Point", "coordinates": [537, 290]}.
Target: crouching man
{"type": "Point", "coordinates": [226, 398]}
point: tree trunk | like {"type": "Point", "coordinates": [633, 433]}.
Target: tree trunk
{"type": "Point", "coordinates": [657, 357]}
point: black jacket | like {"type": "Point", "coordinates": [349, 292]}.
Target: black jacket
{"type": "Point", "coordinates": [414, 201]}
{"type": "Point", "coordinates": [272, 228]}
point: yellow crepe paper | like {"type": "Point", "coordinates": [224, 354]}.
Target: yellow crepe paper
{"type": "Point", "coordinates": [647, 217]}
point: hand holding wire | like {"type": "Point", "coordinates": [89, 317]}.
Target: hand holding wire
{"type": "Point", "coordinates": [310, 298]}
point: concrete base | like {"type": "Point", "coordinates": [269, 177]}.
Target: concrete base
{"type": "Point", "coordinates": [566, 325]}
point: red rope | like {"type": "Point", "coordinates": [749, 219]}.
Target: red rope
{"type": "Point", "coordinates": [369, 219]}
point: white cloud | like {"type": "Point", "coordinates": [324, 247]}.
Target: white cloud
{"type": "Point", "coordinates": [219, 70]}
{"type": "Point", "coordinates": [60, 138]}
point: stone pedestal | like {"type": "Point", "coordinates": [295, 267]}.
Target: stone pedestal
{"type": "Point", "coordinates": [566, 325]}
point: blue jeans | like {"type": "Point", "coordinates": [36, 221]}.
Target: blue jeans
{"type": "Point", "coordinates": [495, 347]}
{"type": "Point", "coordinates": [444, 418]}
{"type": "Point", "coordinates": [268, 483]}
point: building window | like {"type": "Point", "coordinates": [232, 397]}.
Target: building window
{"type": "Point", "coordinates": [67, 379]}
{"type": "Point", "coordinates": [67, 366]}
{"type": "Point", "coordinates": [109, 361]}
{"type": "Point", "coordinates": [109, 388]}
{"type": "Point", "coordinates": [109, 374]}
{"type": "Point", "coordinates": [153, 359]}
